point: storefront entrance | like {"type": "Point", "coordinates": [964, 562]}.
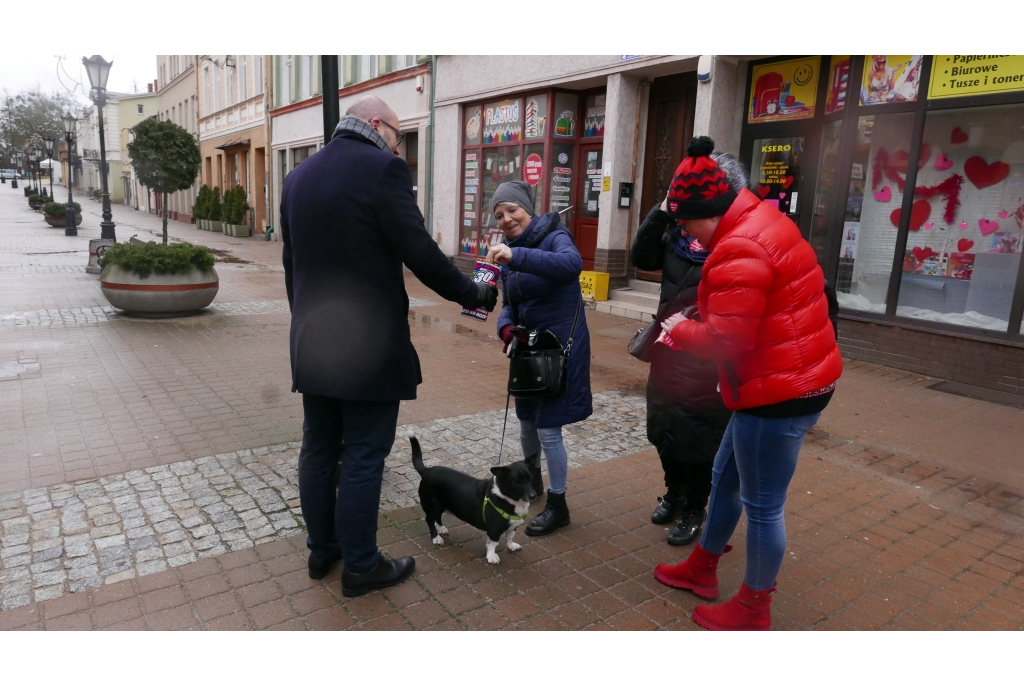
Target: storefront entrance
{"type": "Point", "coordinates": [584, 229]}
{"type": "Point", "coordinates": [673, 101]}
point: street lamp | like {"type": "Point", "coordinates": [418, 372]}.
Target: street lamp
{"type": "Point", "coordinates": [49, 155]}
{"type": "Point", "coordinates": [69, 121]}
{"type": "Point", "coordinates": [32, 172]}
{"type": "Point", "coordinates": [39, 169]}
{"type": "Point", "coordinates": [98, 70]}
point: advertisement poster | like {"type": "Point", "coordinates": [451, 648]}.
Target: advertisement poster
{"type": "Point", "coordinates": [473, 125]}
{"type": "Point", "coordinates": [536, 116]}
{"type": "Point", "coordinates": [503, 122]}
{"type": "Point", "coordinates": [483, 272]}
{"type": "Point", "coordinates": [469, 198]}
{"type": "Point", "coordinates": [959, 75]}
{"type": "Point", "coordinates": [838, 83]}
{"type": "Point", "coordinates": [776, 167]}
{"type": "Point", "coordinates": [851, 231]}
{"type": "Point", "coordinates": [890, 78]}
{"type": "Point", "coordinates": [533, 170]}
{"type": "Point", "coordinates": [783, 91]}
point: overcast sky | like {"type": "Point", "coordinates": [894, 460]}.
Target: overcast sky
{"type": "Point", "coordinates": [29, 69]}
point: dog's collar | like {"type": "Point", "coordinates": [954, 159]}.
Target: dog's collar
{"type": "Point", "coordinates": [507, 516]}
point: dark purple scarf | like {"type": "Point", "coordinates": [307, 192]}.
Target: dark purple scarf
{"type": "Point", "coordinates": [687, 247]}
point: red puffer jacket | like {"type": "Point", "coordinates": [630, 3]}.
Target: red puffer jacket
{"type": "Point", "coordinates": [763, 309]}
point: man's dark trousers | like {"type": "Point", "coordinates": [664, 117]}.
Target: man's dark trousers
{"type": "Point", "coordinates": [359, 434]}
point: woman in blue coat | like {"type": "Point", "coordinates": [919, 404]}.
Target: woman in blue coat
{"type": "Point", "coordinates": [541, 267]}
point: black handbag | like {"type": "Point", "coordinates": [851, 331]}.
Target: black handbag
{"type": "Point", "coordinates": [643, 340]}
{"type": "Point", "coordinates": [539, 368]}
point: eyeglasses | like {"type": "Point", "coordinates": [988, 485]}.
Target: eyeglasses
{"type": "Point", "coordinates": [399, 136]}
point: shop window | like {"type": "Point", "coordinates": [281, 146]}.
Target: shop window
{"type": "Point", "coordinates": [593, 122]}
{"type": "Point", "coordinates": [776, 166]}
{"type": "Point", "coordinates": [503, 122]}
{"type": "Point", "coordinates": [565, 115]}
{"type": "Point", "coordinates": [535, 116]}
{"type": "Point", "coordinates": [826, 189]}
{"type": "Point", "coordinates": [470, 200]}
{"type": "Point", "coordinates": [472, 116]}
{"type": "Point", "coordinates": [838, 84]}
{"type": "Point", "coordinates": [872, 215]}
{"type": "Point", "coordinates": [561, 177]}
{"type": "Point", "coordinates": [964, 244]}
{"type": "Point", "coordinates": [500, 164]}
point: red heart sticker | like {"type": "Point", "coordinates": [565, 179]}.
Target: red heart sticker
{"type": "Point", "coordinates": [923, 253]}
{"type": "Point", "coordinates": [983, 175]}
{"type": "Point", "coordinates": [763, 191]}
{"type": "Point", "coordinates": [963, 245]}
{"type": "Point", "coordinates": [957, 136]}
{"type": "Point", "coordinates": [919, 212]}
{"type": "Point", "coordinates": [787, 182]}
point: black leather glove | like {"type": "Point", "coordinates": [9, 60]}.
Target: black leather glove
{"type": "Point", "coordinates": [486, 296]}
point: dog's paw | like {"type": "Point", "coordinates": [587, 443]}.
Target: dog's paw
{"type": "Point", "coordinates": [514, 547]}
{"type": "Point", "coordinates": [492, 558]}
{"type": "Point", "coordinates": [441, 530]}
{"type": "Point", "coordinates": [438, 540]}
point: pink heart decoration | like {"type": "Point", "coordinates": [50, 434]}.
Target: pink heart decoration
{"type": "Point", "coordinates": [884, 195]}
{"type": "Point", "coordinates": [942, 162]}
{"type": "Point", "coordinates": [1003, 214]}
{"type": "Point", "coordinates": [962, 225]}
{"type": "Point", "coordinates": [928, 226]}
{"type": "Point", "coordinates": [986, 226]}
{"type": "Point", "coordinates": [782, 195]}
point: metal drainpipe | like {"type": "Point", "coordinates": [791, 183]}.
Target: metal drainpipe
{"type": "Point", "coordinates": [430, 153]}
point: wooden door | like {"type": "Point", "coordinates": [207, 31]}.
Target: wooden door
{"type": "Point", "coordinates": [673, 101]}
{"type": "Point", "coordinates": [587, 203]}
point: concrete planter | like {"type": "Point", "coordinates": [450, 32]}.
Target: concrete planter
{"type": "Point", "coordinates": [159, 294]}
{"type": "Point", "coordinates": [61, 222]}
{"type": "Point", "coordinates": [236, 230]}
{"type": "Point", "coordinates": [216, 226]}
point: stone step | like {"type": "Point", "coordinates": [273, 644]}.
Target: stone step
{"type": "Point", "coordinates": [637, 297]}
{"type": "Point", "coordinates": [626, 309]}
{"type": "Point", "coordinates": [645, 286]}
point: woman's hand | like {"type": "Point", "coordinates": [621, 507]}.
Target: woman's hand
{"type": "Point", "coordinates": [500, 254]}
{"type": "Point", "coordinates": [664, 204]}
{"type": "Point", "coordinates": [668, 324]}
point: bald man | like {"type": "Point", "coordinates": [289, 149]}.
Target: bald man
{"type": "Point", "coordinates": [349, 221]}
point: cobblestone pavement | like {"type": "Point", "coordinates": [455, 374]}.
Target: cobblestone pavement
{"type": "Point", "coordinates": [73, 537]}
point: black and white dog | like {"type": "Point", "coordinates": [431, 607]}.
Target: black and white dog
{"type": "Point", "coordinates": [495, 505]}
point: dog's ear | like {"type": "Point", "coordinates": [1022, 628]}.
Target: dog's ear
{"type": "Point", "coordinates": [499, 470]}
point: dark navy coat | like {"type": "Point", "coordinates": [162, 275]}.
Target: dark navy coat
{"type": "Point", "coordinates": [349, 222]}
{"type": "Point", "coordinates": [543, 284]}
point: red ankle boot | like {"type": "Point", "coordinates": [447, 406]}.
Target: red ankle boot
{"type": "Point", "coordinates": [748, 610]}
{"type": "Point", "coordinates": [697, 573]}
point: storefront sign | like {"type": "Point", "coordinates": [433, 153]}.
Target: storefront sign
{"type": "Point", "coordinates": [783, 91]}
{"type": "Point", "coordinates": [777, 161]}
{"type": "Point", "coordinates": [502, 123]}
{"type": "Point", "coordinates": [890, 78]}
{"type": "Point", "coordinates": [959, 75]}
{"type": "Point", "coordinates": [533, 170]}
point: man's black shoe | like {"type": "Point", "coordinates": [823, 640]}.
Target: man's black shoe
{"type": "Point", "coordinates": [320, 567]}
{"type": "Point", "coordinates": [388, 572]}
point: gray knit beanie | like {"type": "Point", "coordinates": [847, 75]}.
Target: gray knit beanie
{"type": "Point", "coordinates": [515, 192]}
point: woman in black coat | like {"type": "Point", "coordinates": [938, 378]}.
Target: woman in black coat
{"type": "Point", "coordinates": [686, 417]}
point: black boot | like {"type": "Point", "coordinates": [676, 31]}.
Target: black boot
{"type": "Point", "coordinates": [387, 573]}
{"type": "Point", "coordinates": [554, 516]}
{"type": "Point", "coordinates": [688, 528]}
{"type": "Point", "coordinates": [671, 506]}
{"type": "Point", "coordinates": [319, 567]}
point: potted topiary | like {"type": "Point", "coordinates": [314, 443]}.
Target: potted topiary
{"type": "Point", "coordinates": [216, 210]}
{"type": "Point", "coordinates": [35, 201]}
{"type": "Point", "coordinates": [55, 214]}
{"type": "Point", "coordinates": [201, 211]}
{"type": "Point", "coordinates": [235, 207]}
{"type": "Point", "coordinates": [156, 280]}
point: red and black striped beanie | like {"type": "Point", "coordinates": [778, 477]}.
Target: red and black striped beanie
{"type": "Point", "coordinates": [700, 189]}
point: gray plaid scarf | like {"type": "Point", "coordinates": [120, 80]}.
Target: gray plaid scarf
{"type": "Point", "coordinates": [357, 125]}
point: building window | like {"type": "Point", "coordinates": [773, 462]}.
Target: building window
{"type": "Point", "coordinates": [207, 90]}
{"type": "Point", "coordinates": [257, 75]}
{"type": "Point", "coordinates": [243, 74]}
{"type": "Point", "coordinates": [139, 108]}
{"type": "Point", "coordinates": [282, 80]}
{"type": "Point", "coordinates": [217, 90]}
{"type": "Point", "coordinates": [229, 79]}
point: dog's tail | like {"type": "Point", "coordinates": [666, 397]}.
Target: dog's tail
{"type": "Point", "coordinates": [417, 456]}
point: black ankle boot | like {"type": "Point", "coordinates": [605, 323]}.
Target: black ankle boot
{"type": "Point", "coordinates": [671, 506]}
{"type": "Point", "coordinates": [688, 528]}
{"type": "Point", "coordinates": [554, 516]}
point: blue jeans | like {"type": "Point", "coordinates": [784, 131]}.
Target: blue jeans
{"type": "Point", "coordinates": [533, 438]}
{"type": "Point", "coordinates": [752, 471]}
{"type": "Point", "coordinates": [341, 466]}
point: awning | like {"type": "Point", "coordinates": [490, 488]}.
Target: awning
{"type": "Point", "coordinates": [234, 143]}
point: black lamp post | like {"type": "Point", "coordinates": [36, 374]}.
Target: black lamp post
{"type": "Point", "coordinates": [39, 170]}
{"type": "Point", "coordinates": [49, 155]}
{"type": "Point", "coordinates": [32, 172]}
{"type": "Point", "coordinates": [98, 70]}
{"type": "Point", "coordinates": [70, 228]}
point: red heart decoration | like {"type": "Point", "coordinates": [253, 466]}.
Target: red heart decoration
{"type": "Point", "coordinates": [763, 191]}
{"type": "Point", "coordinates": [983, 175]}
{"type": "Point", "coordinates": [957, 136]}
{"type": "Point", "coordinates": [919, 212]}
{"type": "Point", "coordinates": [963, 245]}
{"type": "Point", "coordinates": [899, 160]}
{"type": "Point", "coordinates": [923, 253]}
{"type": "Point", "coordinates": [788, 181]}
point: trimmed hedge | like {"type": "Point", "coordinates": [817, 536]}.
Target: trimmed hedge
{"type": "Point", "coordinates": [60, 209]}
{"type": "Point", "coordinates": [143, 259]}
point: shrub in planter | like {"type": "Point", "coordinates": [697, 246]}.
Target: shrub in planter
{"type": "Point", "coordinates": [35, 201]}
{"type": "Point", "coordinates": [96, 194]}
{"type": "Point", "coordinates": [153, 279]}
{"type": "Point", "coordinates": [216, 211]}
{"type": "Point", "coordinates": [201, 210]}
{"type": "Point", "coordinates": [235, 207]}
{"type": "Point", "coordinates": [56, 212]}
{"type": "Point", "coordinates": [165, 157]}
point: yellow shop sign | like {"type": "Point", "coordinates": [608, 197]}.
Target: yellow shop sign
{"type": "Point", "coordinates": [959, 75]}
